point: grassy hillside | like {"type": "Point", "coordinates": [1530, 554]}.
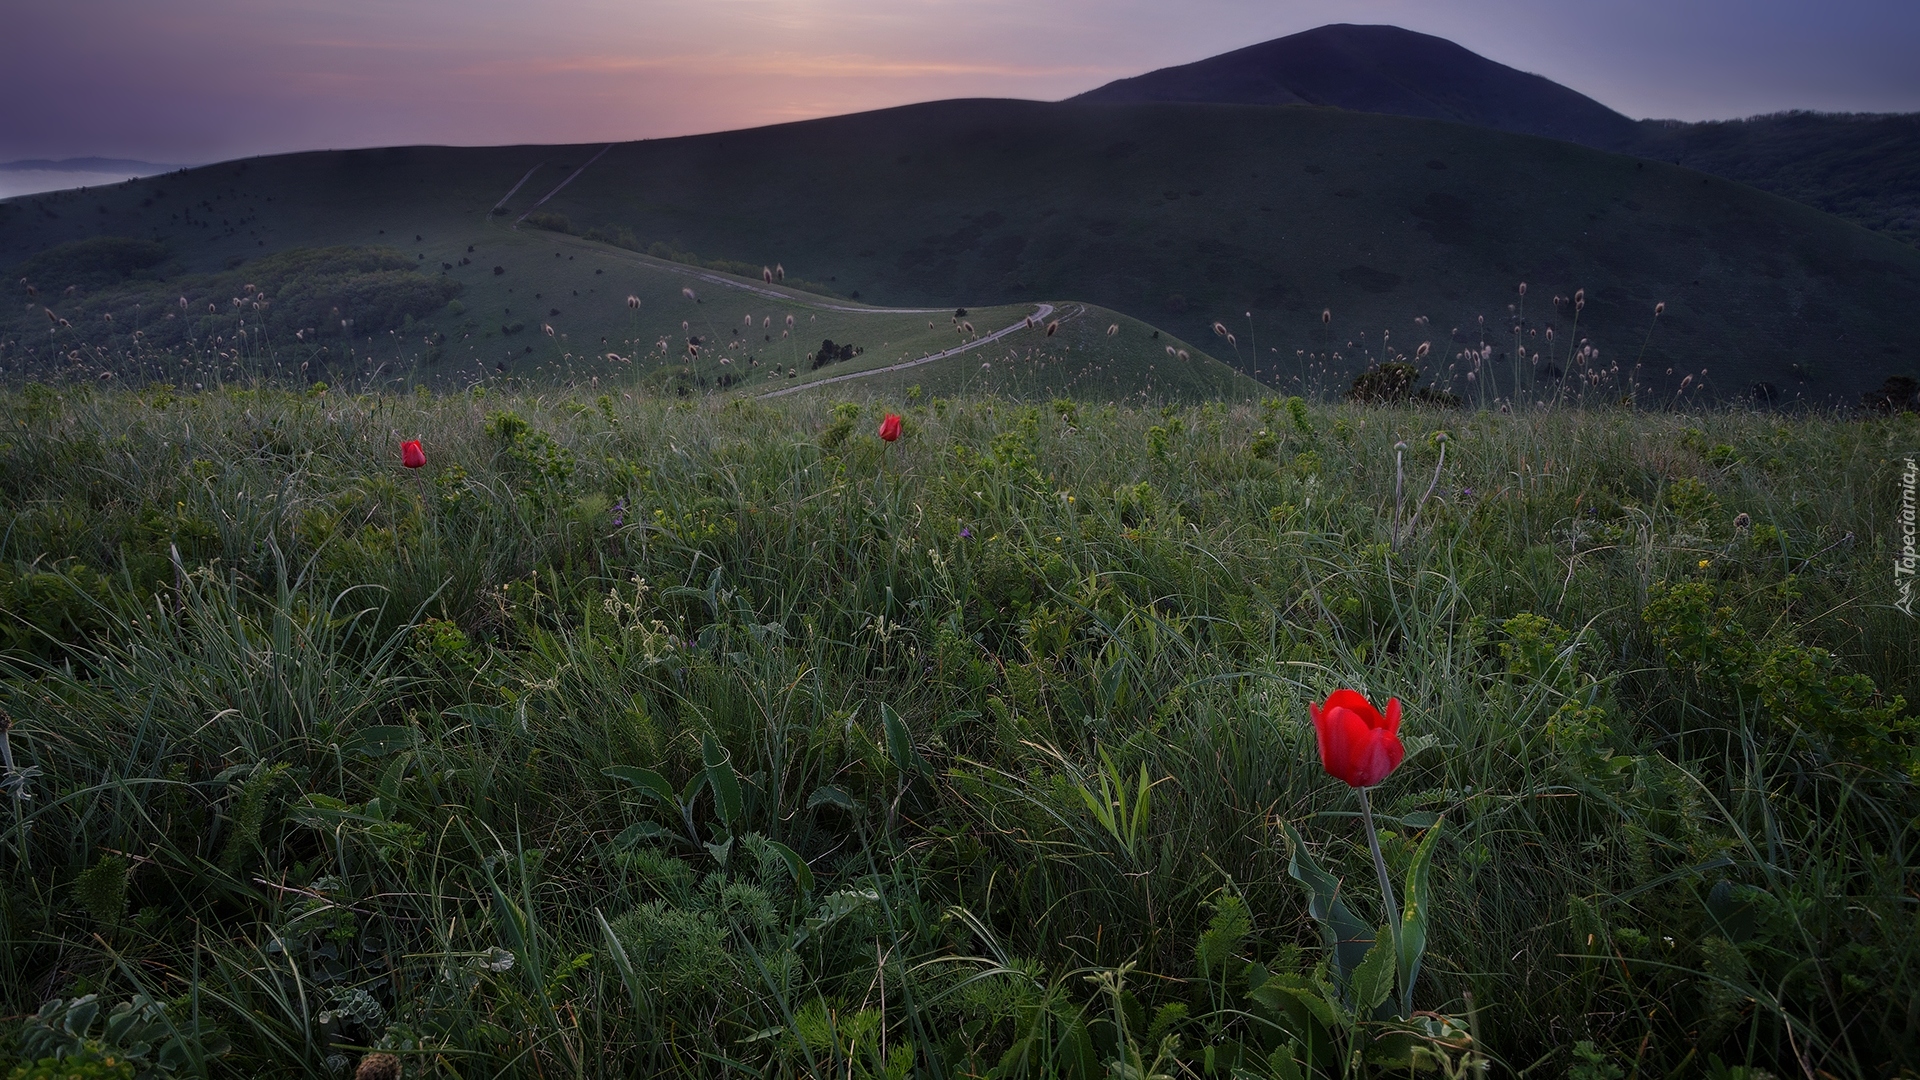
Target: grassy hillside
{"type": "Point", "coordinates": [695, 738]}
{"type": "Point", "coordinates": [1177, 215]}
{"type": "Point", "coordinates": [1381, 69]}
{"type": "Point", "coordinates": [532, 305]}
{"type": "Point", "coordinates": [1863, 168]}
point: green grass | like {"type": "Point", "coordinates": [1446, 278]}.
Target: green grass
{"type": "Point", "coordinates": [323, 746]}
{"type": "Point", "coordinates": [593, 315]}
{"type": "Point", "coordinates": [1177, 215]}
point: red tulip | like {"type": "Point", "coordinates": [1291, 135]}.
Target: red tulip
{"type": "Point", "coordinates": [411, 455]}
{"type": "Point", "coordinates": [890, 427]}
{"type": "Point", "coordinates": [1357, 744]}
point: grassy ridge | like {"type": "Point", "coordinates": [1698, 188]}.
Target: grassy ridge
{"type": "Point", "coordinates": [560, 310]}
{"type": "Point", "coordinates": [1179, 215]}
{"type": "Point", "coordinates": [323, 745]}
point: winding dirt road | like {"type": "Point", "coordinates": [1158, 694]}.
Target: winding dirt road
{"type": "Point", "coordinates": [1037, 318]}
{"type": "Point", "coordinates": [800, 299]}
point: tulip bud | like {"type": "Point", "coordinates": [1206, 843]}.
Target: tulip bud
{"type": "Point", "coordinates": [1358, 746]}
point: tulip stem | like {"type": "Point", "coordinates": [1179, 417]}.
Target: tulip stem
{"type": "Point", "coordinates": [1386, 891]}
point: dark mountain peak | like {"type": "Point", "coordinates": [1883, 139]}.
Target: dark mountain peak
{"type": "Point", "coordinates": [1382, 69]}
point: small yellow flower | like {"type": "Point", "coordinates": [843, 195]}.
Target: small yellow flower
{"type": "Point", "coordinates": [1704, 563]}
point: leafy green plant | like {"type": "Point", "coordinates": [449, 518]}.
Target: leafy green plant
{"type": "Point", "coordinates": [135, 1038]}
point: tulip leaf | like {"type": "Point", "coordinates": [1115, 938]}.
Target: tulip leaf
{"type": "Point", "coordinates": [802, 874]}
{"type": "Point", "coordinates": [726, 786]}
{"type": "Point", "coordinates": [646, 781]}
{"type": "Point", "coordinates": [828, 795]}
{"type": "Point", "coordinates": [1346, 938]}
{"type": "Point", "coordinates": [692, 790]}
{"type": "Point", "coordinates": [1413, 923]}
{"type": "Point", "coordinates": [639, 833]}
{"type": "Point", "coordinates": [900, 743]}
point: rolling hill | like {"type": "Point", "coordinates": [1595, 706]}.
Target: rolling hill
{"type": "Point", "coordinates": [1179, 215]}
{"type": "Point", "coordinates": [370, 315]}
{"type": "Point", "coordinates": [1381, 69]}
{"type": "Point", "coordinates": [1865, 168]}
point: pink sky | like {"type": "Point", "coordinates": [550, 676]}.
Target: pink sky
{"type": "Point", "coordinates": [200, 80]}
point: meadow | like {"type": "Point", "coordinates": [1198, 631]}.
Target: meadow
{"type": "Point", "coordinates": [1179, 215]}
{"type": "Point", "coordinates": [636, 735]}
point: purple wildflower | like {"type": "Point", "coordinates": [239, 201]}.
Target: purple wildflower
{"type": "Point", "coordinates": [966, 533]}
{"type": "Point", "coordinates": [619, 513]}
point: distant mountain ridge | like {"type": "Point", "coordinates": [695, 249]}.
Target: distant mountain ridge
{"type": "Point", "coordinates": [86, 164]}
{"type": "Point", "coordinates": [1382, 69]}
{"type": "Point", "coordinates": [1864, 168]}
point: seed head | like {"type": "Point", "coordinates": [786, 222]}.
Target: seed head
{"type": "Point", "coordinates": [1326, 316]}
{"type": "Point", "coordinates": [378, 1067]}
{"type": "Point", "coordinates": [633, 301]}
{"type": "Point", "coordinates": [1113, 329]}
{"type": "Point", "coordinates": [1659, 309]}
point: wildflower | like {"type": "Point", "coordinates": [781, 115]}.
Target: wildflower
{"type": "Point", "coordinates": [966, 533]}
{"type": "Point", "coordinates": [1704, 563]}
{"type": "Point", "coordinates": [1742, 521]}
{"type": "Point", "coordinates": [411, 455]}
{"type": "Point", "coordinates": [890, 427]}
{"type": "Point", "coordinates": [619, 513]}
{"type": "Point", "coordinates": [1358, 745]}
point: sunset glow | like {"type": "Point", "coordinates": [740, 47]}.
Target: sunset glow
{"type": "Point", "coordinates": [209, 79]}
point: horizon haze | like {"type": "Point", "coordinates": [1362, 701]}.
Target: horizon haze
{"type": "Point", "coordinates": [218, 79]}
